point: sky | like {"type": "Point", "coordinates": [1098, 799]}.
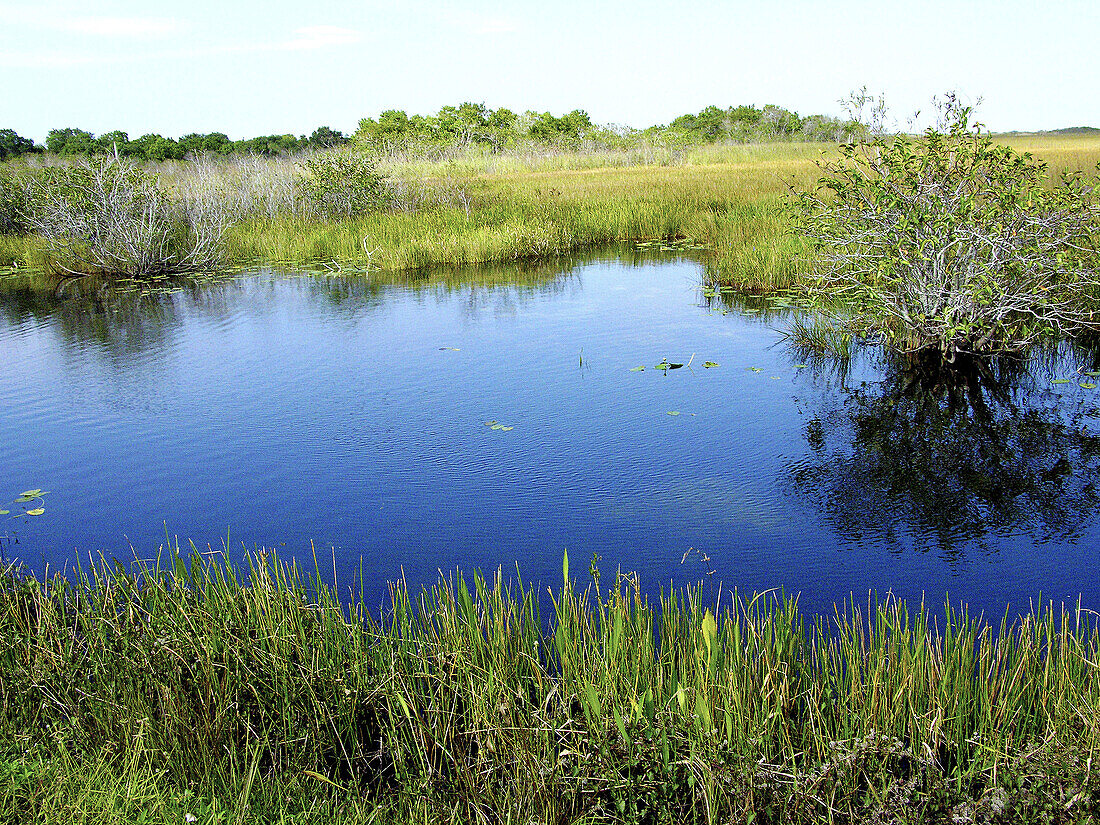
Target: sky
{"type": "Point", "coordinates": [250, 68]}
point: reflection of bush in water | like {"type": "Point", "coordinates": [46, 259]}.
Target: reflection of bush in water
{"type": "Point", "coordinates": [942, 455]}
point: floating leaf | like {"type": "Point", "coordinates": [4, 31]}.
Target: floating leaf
{"type": "Point", "coordinates": [1088, 385]}
{"type": "Point", "coordinates": [506, 429]}
{"type": "Point", "coordinates": [4, 512]}
{"type": "Point", "coordinates": [1060, 381]}
{"type": "Point", "coordinates": [638, 368]}
{"type": "Point", "coordinates": [709, 293]}
{"type": "Point", "coordinates": [490, 423]}
{"type": "Point", "coordinates": [1092, 373]}
{"type": "Point", "coordinates": [674, 366]}
{"type": "Point", "coordinates": [32, 493]}
{"type": "Point", "coordinates": [800, 366]}
{"type": "Point", "coordinates": [673, 412]}
{"type": "Point", "coordinates": [709, 364]}
{"type": "Point", "coordinates": [497, 427]}
{"type": "Point", "coordinates": [662, 366]}
{"type": "Point", "coordinates": [37, 511]}
{"type": "Point", "coordinates": [757, 369]}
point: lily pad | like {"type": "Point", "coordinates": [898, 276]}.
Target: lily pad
{"type": "Point", "coordinates": [800, 366]}
{"type": "Point", "coordinates": [639, 368]}
{"type": "Point", "coordinates": [673, 412]}
{"type": "Point", "coordinates": [757, 369]}
{"type": "Point", "coordinates": [674, 366]}
{"type": "Point", "coordinates": [491, 423]}
{"type": "Point", "coordinates": [709, 364]}
{"type": "Point", "coordinates": [37, 511]}
{"type": "Point", "coordinates": [32, 493]}
{"type": "Point", "coordinates": [1060, 381]}
{"type": "Point", "coordinates": [506, 429]}
{"type": "Point", "coordinates": [4, 512]}
{"type": "Point", "coordinates": [1088, 385]}
{"type": "Point", "coordinates": [497, 427]}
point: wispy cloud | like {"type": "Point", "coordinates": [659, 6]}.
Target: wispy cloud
{"type": "Point", "coordinates": [118, 26]}
{"type": "Point", "coordinates": [54, 60]}
{"type": "Point", "coordinates": [94, 25]}
{"type": "Point", "coordinates": [307, 38]}
{"type": "Point", "coordinates": [318, 37]}
{"type": "Point", "coordinates": [492, 25]}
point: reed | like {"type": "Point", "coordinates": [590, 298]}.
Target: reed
{"type": "Point", "coordinates": [256, 692]}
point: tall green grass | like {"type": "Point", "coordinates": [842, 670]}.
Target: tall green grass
{"type": "Point", "coordinates": [258, 692]}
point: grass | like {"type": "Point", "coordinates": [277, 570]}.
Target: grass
{"type": "Point", "coordinates": [478, 208]}
{"type": "Point", "coordinates": [727, 206]}
{"type": "Point", "coordinates": [255, 694]}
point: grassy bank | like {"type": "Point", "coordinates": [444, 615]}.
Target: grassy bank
{"type": "Point", "coordinates": [726, 201]}
{"type": "Point", "coordinates": [254, 695]}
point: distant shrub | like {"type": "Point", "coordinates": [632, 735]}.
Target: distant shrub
{"type": "Point", "coordinates": [343, 184]}
{"type": "Point", "coordinates": [107, 216]}
{"type": "Point", "coordinates": [13, 204]}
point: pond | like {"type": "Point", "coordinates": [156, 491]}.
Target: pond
{"type": "Point", "coordinates": [402, 426]}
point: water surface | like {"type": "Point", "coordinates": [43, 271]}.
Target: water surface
{"type": "Point", "coordinates": [351, 417]}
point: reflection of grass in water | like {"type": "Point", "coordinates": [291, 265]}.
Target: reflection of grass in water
{"type": "Point", "coordinates": [256, 691]}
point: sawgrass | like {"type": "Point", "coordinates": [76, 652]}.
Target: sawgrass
{"type": "Point", "coordinates": [256, 694]}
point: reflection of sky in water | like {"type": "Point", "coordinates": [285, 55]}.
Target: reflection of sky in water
{"type": "Point", "coordinates": [282, 411]}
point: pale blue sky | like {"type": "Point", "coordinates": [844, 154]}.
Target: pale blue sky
{"type": "Point", "coordinates": [248, 68]}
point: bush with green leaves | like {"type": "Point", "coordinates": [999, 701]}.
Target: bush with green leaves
{"type": "Point", "coordinates": [952, 242]}
{"type": "Point", "coordinates": [343, 184]}
{"type": "Point", "coordinates": [106, 215]}
{"type": "Point", "coordinates": [13, 203]}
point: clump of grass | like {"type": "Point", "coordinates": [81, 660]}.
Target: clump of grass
{"type": "Point", "coordinates": [819, 336]}
{"type": "Point", "coordinates": [256, 689]}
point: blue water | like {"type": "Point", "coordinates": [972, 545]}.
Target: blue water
{"type": "Point", "coordinates": [348, 417]}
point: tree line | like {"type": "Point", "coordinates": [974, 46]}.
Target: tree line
{"type": "Point", "coordinates": [469, 124]}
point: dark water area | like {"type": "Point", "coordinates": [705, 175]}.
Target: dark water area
{"type": "Point", "coordinates": [367, 419]}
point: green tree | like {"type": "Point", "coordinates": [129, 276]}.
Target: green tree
{"type": "Point", "coordinates": [325, 138]}
{"type": "Point", "coordinates": [215, 143]}
{"type": "Point", "coordinates": [565, 130]}
{"type": "Point", "coordinates": [12, 145]}
{"type": "Point", "coordinates": [112, 142]}
{"type": "Point", "coordinates": [70, 141]}
{"type": "Point", "coordinates": [156, 148]}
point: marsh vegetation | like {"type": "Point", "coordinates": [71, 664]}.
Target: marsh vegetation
{"type": "Point", "coordinates": [258, 694]}
{"type": "Point", "coordinates": [252, 692]}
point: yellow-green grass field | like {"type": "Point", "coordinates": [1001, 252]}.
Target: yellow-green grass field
{"type": "Point", "coordinates": [726, 202]}
{"type": "Point", "coordinates": [729, 200]}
